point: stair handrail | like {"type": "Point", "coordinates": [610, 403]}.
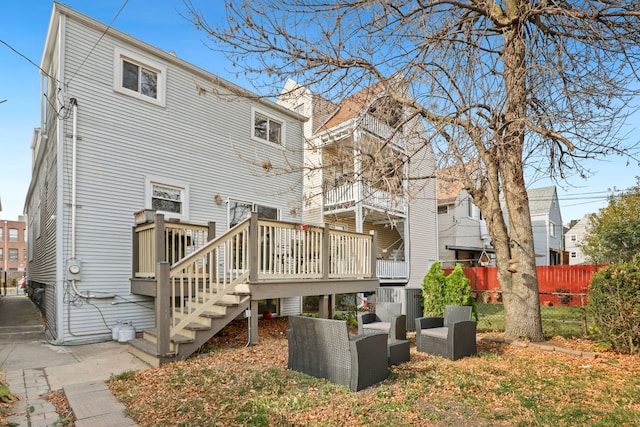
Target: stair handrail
{"type": "Point", "coordinates": [193, 280]}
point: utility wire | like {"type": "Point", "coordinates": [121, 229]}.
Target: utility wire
{"type": "Point", "coordinates": [98, 41]}
{"type": "Point", "coordinates": [28, 60]}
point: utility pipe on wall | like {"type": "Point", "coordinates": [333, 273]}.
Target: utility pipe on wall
{"type": "Point", "coordinates": [74, 144]}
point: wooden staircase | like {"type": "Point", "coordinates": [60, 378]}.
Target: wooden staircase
{"type": "Point", "coordinates": [196, 333]}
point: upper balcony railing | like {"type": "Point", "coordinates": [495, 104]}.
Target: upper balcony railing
{"type": "Point", "coordinates": [382, 130]}
{"type": "Point", "coordinates": [369, 124]}
{"type": "Point", "coordinates": [348, 195]}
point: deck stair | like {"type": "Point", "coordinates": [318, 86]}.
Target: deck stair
{"type": "Point", "coordinates": [201, 294]}
{"type": "Point", "coordinates": [195, 334]}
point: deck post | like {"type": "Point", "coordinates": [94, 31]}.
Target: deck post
{"type": "Point", "coordinates": [326, 306]}
{"type": "Point", "coordinates": [326, 303]}
{"type": "Point", "coordinates": [326, 251]}
{"type": "Point", "coordinates": [211, 234]}
{"type": "Point", "coordinates": [159, 238]}
{"type": "Point", "coordinates": [135, 252]}
{"type": "Point", "coordinates": [373, 254]}
{"type": "Point", "coordinates": [162, 308]}
{"type": "Point", "coordinates": [254, 241]}
{"type": "Point", "coordinates": [253, 305]}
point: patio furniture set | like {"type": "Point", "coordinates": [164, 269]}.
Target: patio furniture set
{"type": "Point", "coordinates": [323, 348]}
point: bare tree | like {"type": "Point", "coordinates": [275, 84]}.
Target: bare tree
{"type": "Point", "coordinates": [502, 86]}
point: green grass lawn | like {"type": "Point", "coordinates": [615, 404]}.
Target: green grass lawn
{"type": "Point", "coordinates": [556, 320]}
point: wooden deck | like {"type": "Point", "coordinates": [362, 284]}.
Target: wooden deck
{"type": "Point", "coordinates": [194, 275]}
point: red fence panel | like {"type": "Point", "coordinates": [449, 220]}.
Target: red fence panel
{"type": "Point", "coordinates": [558, 284]}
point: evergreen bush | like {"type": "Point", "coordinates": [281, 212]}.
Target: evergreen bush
{"type": "Point", "coordinates": [439, 290]}
{"type": "Point", "coordinates": [458, 290]}
{"type": "Point", "coordinates": [614, 305]}
{"type": "Point", "coordinates": [433, 291]}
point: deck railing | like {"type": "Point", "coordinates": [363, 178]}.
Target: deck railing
{"type": "Point", "coordinates": [391, 269]}
{"type": "Point", "coordinates": [159, 240]}
{"type": "Point", "coordinates": [382, 130]}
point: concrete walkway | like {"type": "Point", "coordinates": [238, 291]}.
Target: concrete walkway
{"type": "Point", "coordinates": [32, 367]}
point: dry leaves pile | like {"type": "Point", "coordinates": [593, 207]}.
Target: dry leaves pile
{"type": "Point", "coordinates": [230, 384]}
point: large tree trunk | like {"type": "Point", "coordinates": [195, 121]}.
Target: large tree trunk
{"type": "Point", "coordinates": [516, 258]}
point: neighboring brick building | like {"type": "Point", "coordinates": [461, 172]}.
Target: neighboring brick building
{"type": "Point", "coordinates": [13, 245]}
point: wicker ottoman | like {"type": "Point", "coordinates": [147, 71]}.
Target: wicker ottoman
{"type": "Point", "coordinates": [398, 352]}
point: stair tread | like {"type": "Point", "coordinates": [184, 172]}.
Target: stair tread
{"type": "Point", "coordinates": [212, 315]}
{"type": "Point", "coordinates": [177, 339]}
{"type": "Point", "coordinates": [197, 327]}
{"type": "Point", "coordinates": [148, 347]}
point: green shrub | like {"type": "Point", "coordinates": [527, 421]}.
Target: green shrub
{"type": "Point", "coordinates": [614, 305]}
{"type": "Point", "coordinates": [458, 290]}
{"type": "Point", "coordinates": [439, 290]}
{"type": "Point", "coordinates": [433, 291]}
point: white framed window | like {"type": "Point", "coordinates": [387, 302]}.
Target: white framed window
{"type": "Point", "coordinates": [573, 238]}
{"type": "Point", "coordinates": [552, 229]}
{"type": "Point", "coordinates": [167, 197]}
{"type": "Point", "coordinates": [13, 234]}
{"type": "Point", "coordinates": [266, 128]}
{"type": "Point", "coordinates": [443, 209]}
{"type": "Point", "coordinates": [574, 255]}
{"type": "Point", "coordinates": [241, 210]}
{"type": "Point", "coordinates": [139, 77]}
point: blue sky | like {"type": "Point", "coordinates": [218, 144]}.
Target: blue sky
{"type": "Point", "coordinates": [23, 26]}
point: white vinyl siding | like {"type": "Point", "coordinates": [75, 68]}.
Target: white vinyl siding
{"type": "Point", "coordinates": [198, 139]}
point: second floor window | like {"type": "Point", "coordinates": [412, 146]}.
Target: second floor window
{"type": "Point", "coordinates": [139, 79]}
{"type": "Point", "coordinates": [13, 254]}
{"type": "Point", "coordinates": [266, 128]}
{"type": "Point", "coordinates": [13, 234]}
{"type": "Point", "coordinates": [552, 229]}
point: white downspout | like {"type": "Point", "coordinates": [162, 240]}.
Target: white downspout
{"type": "Point", "coordinates": [74, 146]}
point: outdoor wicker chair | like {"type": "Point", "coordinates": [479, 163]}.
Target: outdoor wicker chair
{"type": "Point", "coordinates": [387, 318]}
{"type": "Point", "coordinates": [322, 348]}
{"type": "Point", "coordinates": [452, 336]}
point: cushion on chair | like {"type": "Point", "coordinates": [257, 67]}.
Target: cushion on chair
{"type": "Point", "coordinates": [377, 327]}
{"type": "Point", "coordinates": [436, 332]}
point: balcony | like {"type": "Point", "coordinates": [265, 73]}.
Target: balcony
{"type": "Point", "coordinates": [347, 195]}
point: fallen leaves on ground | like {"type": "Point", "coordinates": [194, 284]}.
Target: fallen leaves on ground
{"type": "Point", "coordinates": [59, 400]}
{"type": "Point", "coordinates": [231, 384]}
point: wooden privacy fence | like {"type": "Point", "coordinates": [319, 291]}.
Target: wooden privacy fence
{"type": "Point", "coordinates": [557, 284]}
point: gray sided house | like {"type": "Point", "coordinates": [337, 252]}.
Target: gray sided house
{"type": "Point", "coordinates": [126, 127]}
{"type": "Point", "coordinates": [462, 232]}
{"type": "Point", "coordinates": [546, 220]}
{"type": "Point", "coordinates": [574, 238]}
{"type": "Point", "coordinates": [368, 169]}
